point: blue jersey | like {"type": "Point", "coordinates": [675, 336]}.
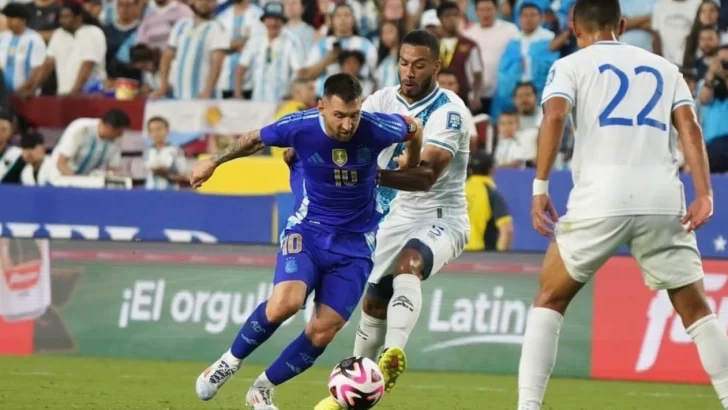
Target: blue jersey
{"type": "Point", "coordinates": [339, 178]}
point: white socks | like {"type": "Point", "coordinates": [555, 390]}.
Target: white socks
{"type": "Point", "coordinates": [262, 381]}
{"type": "Point", "coordinates": [710, 339]}
{"type": "Point", "coordinates": [404, 310]}
{"type": "Point", "coordinates": [538, 356]}
{"type": "Point", "coordinates": [369, 336]}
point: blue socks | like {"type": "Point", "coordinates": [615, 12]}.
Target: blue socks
{"type": "Point", "coordinates": [256, 330]}
{"type": "Point", "coordinates": [296, 358]}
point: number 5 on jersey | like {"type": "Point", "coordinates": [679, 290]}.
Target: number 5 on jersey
{"type": "Point", "coordinates": [642, 117]}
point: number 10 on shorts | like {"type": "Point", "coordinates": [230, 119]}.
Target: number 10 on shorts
{"type": "Point", "coordinates": [292, 244]}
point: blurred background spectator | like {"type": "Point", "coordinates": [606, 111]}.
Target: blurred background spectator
{"type": "Point", "coordinates": [37, 164]}
{"type": "Point", "coordinates": [491, 224]}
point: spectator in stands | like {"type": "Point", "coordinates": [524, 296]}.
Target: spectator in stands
{"type": "Point", "coordinates": [352, 62]}
{"type": "Point", "coordinates": [301, 29]}
{"type": "Point", "coordinates": [274, 58]}
{"type": "Point", "coordinates": [460, 56]}
{"type": "Point", "coordinates": [638, 15]}
{"type": "Point", "coordinates": [449, 81]}
{"type": "Point", "coordinates": [387, 74]}
{"type": "Point", "coordinates": [37, 164]}
{"type": "Point", "coordinates": [90, 145]}
{"type": "Point", "coordinates": [77, 52]}
{"type": "Point", "coordinates": [241, 22]}
{"type": "Point", "coordinates": [708, 46]}
{"type": "Point", "coordinates": [146, 60]}
{"type": "Point", "coordinates": [11, 157]}
{"type": "Point", "coordinates": [302, 97]}
{"type": "Point", "coordinates": [323, 58]}
{"type": "Point", "coordinates": [672, 20]}
{"type": "Point", "coordinates": [197, 47]}
{"type": "Point", "coordinates": [431, 23]}
{"type": "Point", "coordinates": [527, 58]}
{"type": "Point", "coordinates": [514, 148]}
{"type": "Point", "coordinates": [714, 100]}
{"type": "Point", "coordinates": [707, 16]}
{"type": "Point", "coordinates": [94, 8]}
{"type": "Point", "coordinates": [524, 99]}
{"type": "Point", "coordinates": [565, 41]}
{"type": "Point", "coordinates": [22, 51]}
{"type": "Point", "coordinates": [44, 17]}
{"type": "Point", "coordinates": [156, 26]}
{"type": "Point", "coordinates": [165, 163]}
{"type": "Point", "coordinates": [121, 30]}
{"type": "Point", "coordinates": [491, 224]}
{"type": "Point", "coordinates": [492, 36]}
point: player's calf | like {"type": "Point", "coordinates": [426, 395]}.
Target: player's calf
{"type": "Point", "coordinates": [707, 332]}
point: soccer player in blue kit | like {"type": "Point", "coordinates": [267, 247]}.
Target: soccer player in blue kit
{"type": "Point", "coordinates": [328, 243]}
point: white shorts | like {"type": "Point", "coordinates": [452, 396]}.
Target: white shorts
{"type": "Point", "coordinates": [445, 237]}
{"type": "Point", "coordinates": [668, 256]}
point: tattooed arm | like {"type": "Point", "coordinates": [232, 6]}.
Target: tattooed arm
{"type": "Point", "coordinates": [244, 146]}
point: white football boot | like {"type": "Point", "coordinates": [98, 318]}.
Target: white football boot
{"type": "Point", "coordinates": [216, 375]}
{"type": "Point", "coordinates": [260, 398]}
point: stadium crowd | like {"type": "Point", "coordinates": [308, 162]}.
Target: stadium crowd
{"type": "Point", "coordinates": [496, 54]}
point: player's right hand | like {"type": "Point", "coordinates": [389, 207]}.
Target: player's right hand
{"type": "Point", "coordinates": [699, 213]}
{"type": "Point", "coordinates": [289, 156]}
{"type": "Point", "coordinates": [201, 172]}
{"type": "Point", "coordinates": [543, 214]}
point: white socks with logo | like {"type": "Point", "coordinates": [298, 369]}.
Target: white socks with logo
{"type": "Point", "coordinates": [404, 310]}
{"type": "Point", "coordinates": [710, 339]}
{"type": "Point", "coordinates": [369, 336]}
{"type": "Point", "coordinates": [538, 356]}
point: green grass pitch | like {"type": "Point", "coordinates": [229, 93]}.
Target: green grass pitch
{"type": "Point", "coordinates": [65, 383]}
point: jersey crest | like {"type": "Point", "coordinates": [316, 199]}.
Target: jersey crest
{"type": "Point", "coordinates": [454, 121]}
{"type": "Point", "coordinates": [339, 156]}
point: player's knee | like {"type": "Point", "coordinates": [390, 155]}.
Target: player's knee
{"type": "Point", "coordinates": [551, 300]}
{"type": "Point", "coordinates": [375, 308]}
{"type": "Point", "coordinates": [416, 259]}
{"type": "Point", "coordinates": [284, 303]}
{"type": "Point", "coordinates": [321, 333]}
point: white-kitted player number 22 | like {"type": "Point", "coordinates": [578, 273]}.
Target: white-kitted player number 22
{"type": "Point", "coordinates": [642, 117]}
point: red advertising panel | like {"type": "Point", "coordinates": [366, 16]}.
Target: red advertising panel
{"type": "Point", "coordinates": [636, 333]}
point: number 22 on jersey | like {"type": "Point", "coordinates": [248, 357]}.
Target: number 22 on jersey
{"type": "Point", "coordinates": [642, 118]}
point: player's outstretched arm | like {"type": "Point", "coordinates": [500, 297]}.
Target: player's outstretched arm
{"type": "Point", "coordinates": [696, 156]}
{"type": "Point", "coordinates": [420, 178]}
{"type": "Point", "coordinates": [244, 146]}
{"type": "Point", "coordinates": [414, 145]}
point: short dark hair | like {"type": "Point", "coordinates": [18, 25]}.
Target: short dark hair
{"type": "Point", "coordinates": [158, 119]}
{"type": "Point", "coordinates": [347, 54]}
{"type": "Point", "coordinates": [598, 15]}
{"type": "Point", "coordinates": [481, 163]}
{"type": "Point", "coordinates": [423, 38]}
{"type": "Point", "coordinates": [16, 10]}
{"type": "Point", "coordinates": [116, 118]}
{"type": "Point", "coordinates": [447, 6]}
{"type": "Point", "coordinates": [343, 86]}
{"type": "Point", "coordinates": [31, 139]}
{"type": "Point", "coordinates": [509, 111]}
{"type": "Point", "coordinates": [525, 84]}
{"type": "Point", "coordinates": [495, 2]}
{"type": "Point", "coordinates": [74, 7]}
{"type": "Point", "coordinates": [141, 53]}
{"type": "Point", "coordinates": [530, 5]}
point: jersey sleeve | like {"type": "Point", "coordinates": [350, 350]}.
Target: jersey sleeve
{"type": "Point", "coordinates": [683, 96]}
{"type": "Point", "coordinates": [282, 132]}
{"type": "Point", "coordinates": [219, 39]}
{"type": "Point", "coordinates": [371, 104]}
{"type": "Point", "coordinates": [446, 128]}
{"type": "Point", "coordinates": [388, 129]}
{"type": "Point", "coordinates": [175, 34]}
{"type": "Point", "coordinates": [561, 82]}
{"type": "Point", "coordinates": [38, 53]}
{"type": "Point", "coordinates": [71, 139]}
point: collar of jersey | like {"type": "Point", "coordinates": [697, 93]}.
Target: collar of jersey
{"type": "Point", "coordinates": [609, 42]}
{"type": "Point", "coordinates": [420, 103]}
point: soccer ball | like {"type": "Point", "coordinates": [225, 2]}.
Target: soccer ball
{"type": "Point", "coordinates": [356, 383]}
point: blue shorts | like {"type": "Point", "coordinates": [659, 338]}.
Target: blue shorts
{"type": "Point", "coordinates": [335, 266]}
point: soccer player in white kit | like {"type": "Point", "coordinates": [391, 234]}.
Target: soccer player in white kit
{"type": "Point", "coordinates": [423, 230]}
{"type": "Point", "coordinates": [626, 191]}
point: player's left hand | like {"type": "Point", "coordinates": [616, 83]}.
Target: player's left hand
{"type": "Point", "coordinates": [289, 156]}
{"type": "Point", "coordinates": [201, 172]}
{"type": "Point", "coordinates": [699, 213]}
{"type": "Point", "coordinates": [543, 214]}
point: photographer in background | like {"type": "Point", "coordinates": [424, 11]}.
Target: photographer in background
{"type": "Point", "coordinates": [713, 97]}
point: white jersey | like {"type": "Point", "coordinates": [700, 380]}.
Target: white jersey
{"type": "Point", "coordinates": [86, 151]}
{"type": "Point", "coordinates": [20, 55]}
{"type": "Point", "coordinates": [169, 157]}
{"type": "Point", "coordinates": [273, 64]}
{"type": "Point", "coordinates": [194, 45]}
{"type": "Point", "coordinates": [625, 160]}
{"type": "Point", "coordinates": [444, 116]}
{"type": "Point", "coordinates": [29, 176]}
{"type": "Point", "coordinates": [244, 25]}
